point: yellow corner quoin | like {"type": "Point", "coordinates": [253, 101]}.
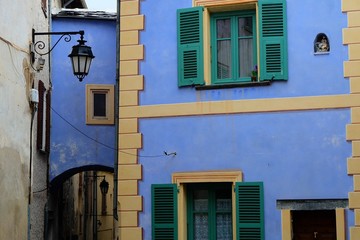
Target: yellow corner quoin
{"type": "Point", "coordinates": [129, 38]}
{"type": "Point", "coordinates": [353, 165]}
{"type": "Point", "coordinates": [135, 22]}
{"type": "Point", "coordinates": [354, 19]}
{"type": "Point", "coordinates": [129, 98]}
{"type": "Point", "coordinates": [128, 156]}
{"type": "Point", "coordinates": [129, 125]}
{"type": "Point", "coordinates": [130, 172]}
{"type": "Point", "coordinates": [130, 140]}
{"type": "Point", "coordinates": [132, 83]}
{"type": "Point", "coordinates": [130, 8]}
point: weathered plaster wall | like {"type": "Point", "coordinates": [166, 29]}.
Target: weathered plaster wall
{"type": "Point", "coordinates": [16, 78]}
{"type": "Point", "coordinates": [70, 148]}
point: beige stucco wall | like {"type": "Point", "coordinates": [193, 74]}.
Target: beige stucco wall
{"type": "Point", "coordinates": [17, 18]}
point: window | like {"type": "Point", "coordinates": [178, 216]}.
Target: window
{"type": "Point", "coordinates": [252, 36]}
{"type": "Point", "coordinates": [234, 48]}
{"type": "Point", "coordinates": [209, 211]}
{"type": "Point", "coordinates": [99, 104]}
{"type": "Point", "coordinates": [244, 219]}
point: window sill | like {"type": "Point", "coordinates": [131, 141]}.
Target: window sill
{"type": "Point", "coordinates": [233, 85]}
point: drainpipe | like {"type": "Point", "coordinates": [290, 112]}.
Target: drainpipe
{"type": "Point", "coordinates": [116, 155]}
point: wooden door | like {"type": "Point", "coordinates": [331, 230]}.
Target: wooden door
{"type": "Point", "coordinates": [311, 225]}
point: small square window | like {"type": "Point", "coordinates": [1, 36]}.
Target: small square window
{"type": "Point", "coordinates": [99, 104]}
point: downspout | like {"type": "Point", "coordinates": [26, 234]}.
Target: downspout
{"type": "Point", "coordinates": [116, 155]}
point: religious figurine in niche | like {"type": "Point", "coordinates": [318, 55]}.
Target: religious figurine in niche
{"type": "Point", "coordinates": [321, 44]}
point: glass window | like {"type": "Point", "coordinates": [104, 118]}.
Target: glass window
{"type": "Point", "coordinates": [210, 211]}
{"type": "Point", "coordinates": [234, 46]}
{"type": "Point", "coordinates": [99, 104]}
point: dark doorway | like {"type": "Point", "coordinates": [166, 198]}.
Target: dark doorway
{"type": "Point", "coordinates": [310, 225]}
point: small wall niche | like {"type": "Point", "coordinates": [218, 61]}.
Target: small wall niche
{"type": "Point", "coordinates": [321, 44]}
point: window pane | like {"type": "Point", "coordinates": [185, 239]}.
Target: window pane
{"type": "Point", "coordinates": [224, 59]}
{"type": "Point", "coordinates": [201, 226]}
{"type": "Point", "coordinates": [201, 200]}
{"type": "Point", "coordinates": [223, 28]}
{"type": "Point", "coordinates": [246, 57]}
{"type": "Point", "coordinates": [223, 226]}
{"type": "Point", "coordinates": [223, 35]}
{"type": "Point", "coordinates": [99, 105]}
{"type": "Point", "coordinates": [245, 26]}
{"type": "Point", "coordinates": [246, 48]}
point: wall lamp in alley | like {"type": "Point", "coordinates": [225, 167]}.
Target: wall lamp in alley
{"type": "Point", "coordinates": [81, 55]}
{"type": "Point", "coordinates": [104, 187]}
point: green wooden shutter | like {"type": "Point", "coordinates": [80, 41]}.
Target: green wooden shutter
{"type": "Point", "coordinates": [190, 46]}
{"type": "Point", "coordinates": [273, 40]}
{"type": "Point", "coordinates": [249, 211]}
{"type": "Point", "coordinates": [164, 212]}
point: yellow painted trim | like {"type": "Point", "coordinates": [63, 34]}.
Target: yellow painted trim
{"type": "Point", "coordinates": [353, 132]}
{"type": "Point", "coordinates": [357, 217]}
{"type": "Point", "coordinates": [130, 203]}
{"type": "Point", "coordinates": [356, 180]}
{"type": "Point", "coordinates": [130, 172]}
{"type": "Point", "coordinates": [129, 67]}
{"type": "Point", "coordinates": [352, 68]}
{"type": "Point", "coordinates": [353, 19]}
{"type": "Point", "coordinates": [128, 219]}
{"type": "Point", "coordinates": [132, 52]}
{"type": "Point", "coordinates": [351, 35]}
{"type": "Point", "coordinates": [286, 224]}
{"type": "Point", "coordinates": [129, 125]}
{"type": "Point", "coordinates": [340, 224]}
{"type": "Point", "coordinates": [132, 82]}
{"type": "Point", "coordinates": [355, 84]}
{"type": "Point", "coordinates": [209, 3]}
{"type": "Point", "coordinates": [135, 22]}
{"type": "Point", "coordinates": [354, 200]}
{"type": "Point", "coordinates": [128, 187]}
{"type": "Point", "coordinates": [354, 51]}
{"type": "Point", "coordinates": [353, 165]}
{"type": "Point", "coordinates": [181, 178]}
{"type": "Point", "coordinates": [109, 91]}
{"type": "Point", "coordinates": [129, 98]}
{"type": "Point", "coordinates": [207, 176]}
{"type": "Point", "coordinates": [355, 115]}
{"type": "Point", "coordinates": [354, 233]}
{"type": "Point", "coordinates": [350, 5]}
{"type": "Point", "coordinates": [355, 148]}
{"type": "Point", "coordinates": [241, 106]}
{"type": "Point", "coordinates": [128, 156]}
{"type": "Point", "coordinates": [130, 140]}
{"type": "Point", "coordinates": [133, 233]}
{"type": "Point", "coordinates": [129, 8]}
{"type": "Point", "coordinates": [129, 37]}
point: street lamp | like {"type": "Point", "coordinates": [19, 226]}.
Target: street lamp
{"type": "Point", "coordinates": [81, 55]}
{"type": "Point", "coordinates": [104, 187]}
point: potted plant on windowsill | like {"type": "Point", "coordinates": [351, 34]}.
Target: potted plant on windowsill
{"type": "Point", "coordinates": [254, 74]}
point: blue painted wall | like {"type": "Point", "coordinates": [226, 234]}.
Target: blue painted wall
{"type": "Point", "coordinates": [70, 148]}
{"type": "Point", "coordinates": [308, 74]}
{"type": "Point", "coordinates": [298, 155]}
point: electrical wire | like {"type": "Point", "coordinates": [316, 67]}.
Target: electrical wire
{"type": "Point", "coordinates": [105, 145]}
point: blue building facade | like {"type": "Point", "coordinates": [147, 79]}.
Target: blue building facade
{"type": "Point", "coordinates": [287, 135]}
{"type": "Point", "coordinates": [77, 142]}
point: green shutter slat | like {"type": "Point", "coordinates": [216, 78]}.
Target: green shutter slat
{"type": "Point", "coordinates": [164, 211]}
{"type": "Point", "coordinates": [190, 46]}
{"type": "Point", "coordinates": [273, 40]}
{"type": "Point", "coordinates": [249, 211]}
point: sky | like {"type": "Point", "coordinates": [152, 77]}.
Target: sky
{"type": "Point", "coordinates": [103, 5]}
